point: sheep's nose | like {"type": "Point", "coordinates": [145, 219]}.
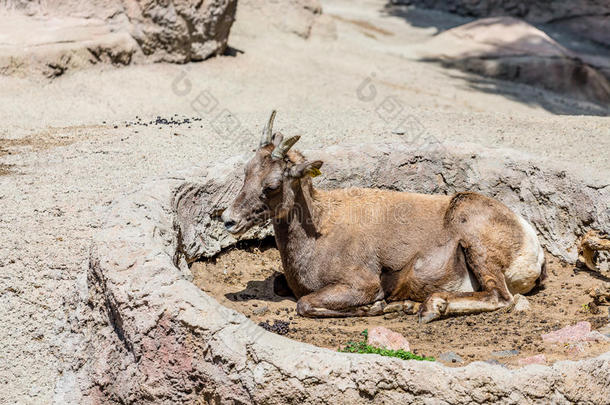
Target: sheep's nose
{"type": "Point", "coordinates": [229, 224]}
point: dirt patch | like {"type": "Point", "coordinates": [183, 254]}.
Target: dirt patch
{"type": "Point", "coordinates": [5, 169]}
{"type": "Point", "coordinates": [242, 279]}
{"type": "Point", "coordinates": [47, 139]}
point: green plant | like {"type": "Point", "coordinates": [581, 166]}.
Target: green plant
{"type": "Point", "coordinates": [364, 348]}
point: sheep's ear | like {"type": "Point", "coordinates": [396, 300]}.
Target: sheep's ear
{"type": "Point", "coordinates": [306, 169]}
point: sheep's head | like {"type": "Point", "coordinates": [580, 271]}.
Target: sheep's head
{"type": "Point", "coordinates": [272, 178]}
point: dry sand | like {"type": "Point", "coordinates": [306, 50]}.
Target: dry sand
{"type": "Point", "coordinates": [62, 160]}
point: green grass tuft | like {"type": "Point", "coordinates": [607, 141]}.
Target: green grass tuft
{"type": "Point", "coordinates": [364, 348]}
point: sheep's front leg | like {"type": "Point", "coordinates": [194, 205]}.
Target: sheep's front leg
{"type": "Point", "coordinates": [444, 303]}
{"type": "Point", "coordinates": [342, 300]}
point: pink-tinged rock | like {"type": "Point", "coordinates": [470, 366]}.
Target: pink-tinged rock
{"type": "Point", "coordinates": [537, 359]}
{"type": "Point", "coordinates": [380, 336]}
{"type": "Point", "coordinates": [575, 349]}
{"type": "Point", "coordinates": [575, 333]}
{"type": "Point", "coordinates": [596, 336]}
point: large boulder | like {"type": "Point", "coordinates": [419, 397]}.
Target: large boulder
{"type": "Point", "coordinates": [511, 49]}
{"type": "Point", "coordinates": [588, 18]}
{"type": "Point", "coordinates": [56, 35]}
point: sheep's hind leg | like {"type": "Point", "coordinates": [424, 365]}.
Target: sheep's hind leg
{"type": "Point", "coordinates": [341, 300]}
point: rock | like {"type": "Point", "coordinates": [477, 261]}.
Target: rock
{"type": "Point", "coordinates": [511, 49]}
{"type": "Point", "coordinates": [601, 294]}
{"type": "Point", "coordinates": [592, 248]}
{"type": "Point", "coordinates": [567, 334]}
{"type": "Point", "coordinates": [537, 359]}
{"type": "Point", "coordinates": [450, 357]}
{"type": "Point", "coordinates": [595, 336]}
{"type": "Point", "coordinates": [56, 36]}
{"type": "Point", "coordinates": [505, 353]}
{"type": "Point", "coordinates": [577, 333]}
{"type": "Point", "coordinates": [494, 362]}
{"type": "Point", "coordinates": [520, 303]}
{"type": "Point", "coordinates": [160, 339]}
{"type": "Point", "coordinates": [575, 349]}
{"type": "Point", "coordinates": [261, 310]}
{"type": "Point", "coordinates": [380, 336]}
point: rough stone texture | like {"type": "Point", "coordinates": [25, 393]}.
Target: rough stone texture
{"type": "Point", "coordinates": [505, 353]}
{"type": "Point", "coordinates": [380, 336]}
{"type": "Point", "coordinates": [581, 332]}
{"type": "Point", "coordinates": [511, 49]}
{"type": "Point", "coordinates": [58, 35]}
{"type": "Point", "coordinates": [521, 303]}
{"type": "Point", "coordinates": [163, 340]}
{"type": "Point", "coordinates": [589, 18]}
{"type": "Point", "coordinates": [537, 359]}
{"type": "Point", "coordinates": [450, 357]}
{"type": "Point", "coordinates": [601, 294]}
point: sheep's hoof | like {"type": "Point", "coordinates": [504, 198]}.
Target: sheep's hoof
{"type": "Point", "coordinates": [428, 317]}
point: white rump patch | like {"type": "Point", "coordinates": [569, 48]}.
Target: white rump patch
{"type": "Point", "coordinates": [526, 268]}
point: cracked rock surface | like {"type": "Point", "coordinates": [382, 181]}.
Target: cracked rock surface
{"type": "Point", "coordinates": [54, 36]}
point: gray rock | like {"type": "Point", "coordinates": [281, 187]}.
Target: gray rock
{"type": "Point", "coordinates": [450, 357]}
{"type": "Point", "coordinates": [261, 310]}
{"type": "Point", "coordinates": [520, 304]}
{"type": "Point", "coordinates": [511, 49]}
{"type": "Point", "coordinates": [505, 353]}
{"type": "Point", "coordinates": [52, 37]}
{"type": "Point", "coordinates": [163, 340]}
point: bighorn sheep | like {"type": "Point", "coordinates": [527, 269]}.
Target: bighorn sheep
{"type": "Point", "coordinates": [457, 254]}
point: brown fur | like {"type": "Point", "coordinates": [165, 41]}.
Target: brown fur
{"type": "Point", "coordinates": [346, 252]}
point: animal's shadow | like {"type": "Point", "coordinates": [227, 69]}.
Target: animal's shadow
{"type": "Point", "coordinates": [272, 289]}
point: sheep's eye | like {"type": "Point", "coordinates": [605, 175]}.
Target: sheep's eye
{"type": "Point", "coordinates": [269, 190]}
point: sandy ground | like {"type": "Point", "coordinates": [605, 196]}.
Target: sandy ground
{"type": "Point", "coordinates": [242, 279]}
{"type": "Point", "coordinates": [66, 152]}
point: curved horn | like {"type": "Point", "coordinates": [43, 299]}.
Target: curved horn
{"type": "Point", "coordinates": [280, 151]}
{"type": "Point", "coordinates": [266, 137]}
